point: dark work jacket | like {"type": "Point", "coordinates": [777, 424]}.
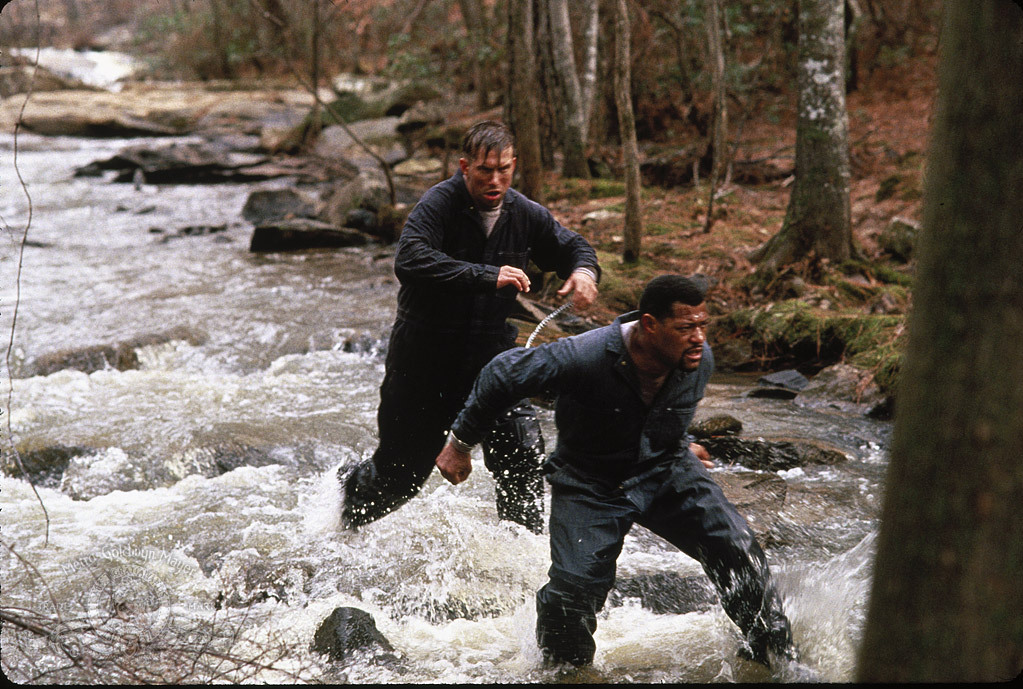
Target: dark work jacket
{"type": "Point", "coordinates": [605, 430]}
{"type": "Point", "coordinates": [448, 267]}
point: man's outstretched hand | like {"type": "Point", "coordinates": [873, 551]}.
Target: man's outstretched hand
{"type": "Point", "coordinates": [582, 288]}
{"type": "Point", "coordinates": [454, 464]}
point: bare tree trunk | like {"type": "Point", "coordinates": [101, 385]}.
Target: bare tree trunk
{"type": "Point", "coordinates": [475, 27]}
{"type": "Point", "coordinates": [523, 103]}
{"type": "Point", "coordinates": [627, 132]}
{"type": "Point", "coordinates": [719, 143]}
{"type": "Point", "coordinates": [315, 117]}
{"type": "Point", "coordinates": [588, 78]}
{"type": "Point", "coordinates": [947, 599]}
{"type": "Point", "coordinates": [550, 103]}
{"type": "Point", "coordinates": [817, 222]}
{"type": "Point", "coordinates": [573, 126]}
{"type": "Point", "coordinates": [219, 40]}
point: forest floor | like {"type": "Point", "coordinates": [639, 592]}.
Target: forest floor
{"type": "Point", "coordinates": [889, 124]}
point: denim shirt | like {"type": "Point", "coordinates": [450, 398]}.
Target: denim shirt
{"type": "Point", "coordinates": [605, 430]}
{"type": "Point", "coordinates": [448, 266]}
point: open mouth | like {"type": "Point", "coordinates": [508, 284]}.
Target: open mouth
{"type": "Point", "coordinates": [693, 356]}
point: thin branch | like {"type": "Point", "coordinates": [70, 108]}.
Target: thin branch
{"type": "Point", "coordinates": [17, 283]}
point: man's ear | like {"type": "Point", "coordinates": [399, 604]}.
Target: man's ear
{"type": "Point", "coordinates": [463, 165]}
{"type": "Point", "coordinates": [648, 322]}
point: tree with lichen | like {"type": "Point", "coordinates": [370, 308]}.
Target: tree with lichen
{"type": "Point", "coordinates": [817, 226]}
{"type": "Point", "coordinates": [627, 132]}
{"type": "Point", "coordinates": [947, 598]}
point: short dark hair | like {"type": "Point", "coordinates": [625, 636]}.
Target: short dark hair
{"type": "Point", "coordinates": [664, 290]}
{"type": "Point", "coordinates": [487, 136]}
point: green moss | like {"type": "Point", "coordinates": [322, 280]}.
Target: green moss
{"type": "Point", "coordinates": [794, 332]}
{"type": "Point", "coordinates": [621, 284]}
{"type": "Point", "coordinates": [602, 188]}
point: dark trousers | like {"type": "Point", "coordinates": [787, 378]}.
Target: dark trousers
{"type": "Point", "coordinates": [683, 505]}
{"type": "Point", "coordinates": [426, 383]}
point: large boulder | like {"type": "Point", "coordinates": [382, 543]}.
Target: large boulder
{"type": "Point", "coordinates": [367, 191]}
{"type": "Point", "coordinates": [271, 205]}
{"type": "Point", "coordinates": [188, 163]}
{"type": "Point", "coordinates": [845, 388]}
{"type": "Point", "coordinates": [303, 233]}
{"type": "Point", "coordinates": [153, 110]}
{"type": "Point", "coordinates": [899, 238]}
{"type": "Point", "coordinates": [380, 134]}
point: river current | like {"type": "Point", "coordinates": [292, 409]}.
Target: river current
{"type": "Point", "coordinates": [202, 486]}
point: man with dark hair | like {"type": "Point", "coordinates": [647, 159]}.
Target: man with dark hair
{"type": "Point", "coordinates": [461, 260]}
{"type": "Point", "coordinates": [626, 394]}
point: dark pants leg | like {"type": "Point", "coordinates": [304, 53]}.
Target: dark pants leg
{"type": "Point", "coordinates": [412, 418]}
{"type": "Point", "coordinates": [427, 381]}
{"type": "Point", "coordinates": [688, 509]}
{"type": "Point", "coordinates": [513, 452]}
{"type": "Point", "coordinates": [588, 527]}
{"type": "Point", "coordinates": [692, 513]}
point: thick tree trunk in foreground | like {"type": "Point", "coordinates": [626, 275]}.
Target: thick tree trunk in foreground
{"type": "Point", "coordinates": [627, 132]}
{"type": "Point", "coordinates": [817, 223]}
{"type": "Point", "coordinates": [947, 600]}
{"type": "Point", "coordinates": [523, 104]}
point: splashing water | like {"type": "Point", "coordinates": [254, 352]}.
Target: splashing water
{"type": "Point", "coordinates": [199, 501]}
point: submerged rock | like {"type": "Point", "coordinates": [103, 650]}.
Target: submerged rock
{"type": "Point", "coordinates": [121, 356]}
{"type": "Point", "coordinates": [101, 472]}
{"type": "Point", "coordinates": [665, 592]}
{"type": "Point", "coordinates": [42, 466]}
{"type": "Point", "coordinates": [770, 455]}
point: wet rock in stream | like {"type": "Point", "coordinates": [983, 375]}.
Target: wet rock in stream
{"type": "Point", "coordinates": [665, 592]}
{"type": "Point", "coordinates": [271, 205]}
{"type": "Point", "coordinates": [121, 356]}
{"type": "Point", "coordinates": [348, 631]}
{"type": "Point", "coordinates": [303, 233]}
{"type": "Point", "coordinates": [42, 466]}
{"type": "Point", "coordinates": [770, 455]}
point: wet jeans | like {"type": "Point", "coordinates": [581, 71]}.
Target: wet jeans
{"type": "Point", "coordinates": [680, 503]}
{"type": "Point", "coordinates": [425, 385]}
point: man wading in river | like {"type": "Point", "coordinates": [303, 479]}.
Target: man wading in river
{"type": "Point", "coordinates": [461, 261]}
{"type": "Point", "coordinates": [626, 394]}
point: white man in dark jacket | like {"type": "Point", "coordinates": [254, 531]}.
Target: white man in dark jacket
{"type": "Point", "coordinates": [461, 260]}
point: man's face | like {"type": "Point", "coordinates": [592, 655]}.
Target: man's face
{"type": "Point", "coordinates": [488, 176]}
{"type": "Point", "coordinates": [678, 338]}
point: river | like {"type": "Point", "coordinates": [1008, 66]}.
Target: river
{"type": "Point", "coordinates": [274, 369]}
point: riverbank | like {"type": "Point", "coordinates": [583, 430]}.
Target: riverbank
{"type": "Point", "coordinates": [853, 314]}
